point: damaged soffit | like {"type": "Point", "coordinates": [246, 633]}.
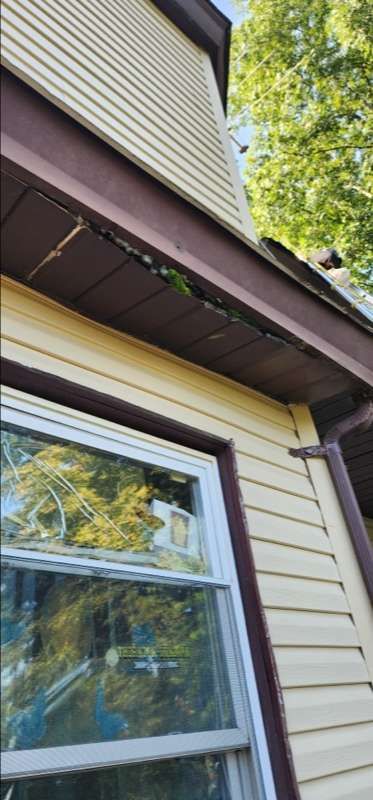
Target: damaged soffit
{"type": "Point", "coordinates": [94, 271]}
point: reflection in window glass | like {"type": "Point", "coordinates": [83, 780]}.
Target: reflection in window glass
{"type": "Point", "coordinates": [67, 498]}
{"type": "Point", "coordinates": [87, 659]}
{"type": "Point", "coordinates": [197, 778]}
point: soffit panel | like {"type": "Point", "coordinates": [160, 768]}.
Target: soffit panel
{"type": "Point", "coordinates": [54, 252]}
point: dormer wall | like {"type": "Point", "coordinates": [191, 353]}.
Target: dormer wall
{"type": "Point", "coordinates": [129, 74]}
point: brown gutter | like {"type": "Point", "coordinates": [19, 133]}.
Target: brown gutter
{"type": "Point", "coordinates": [359, 421]}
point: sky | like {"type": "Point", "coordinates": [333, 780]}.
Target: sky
{"type": "Point", "coordinates": [226, 6]}
{"type": "Point", "coordinates": [243, 134]}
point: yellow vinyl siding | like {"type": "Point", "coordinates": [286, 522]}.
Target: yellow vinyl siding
{"type": "Point", "coordinates": [328, 707]}
{"type": "Point", "coordinates": [314, 598]}
{"type": "Point", "coordinates": [299, 628]}
{"type": "Point", "coordinates": [133, 78]}
{"type": "Point", "coordinates": [320, 666]}
{"type": "Point", "coordinates": [282, 560]}
{"type": "Point", "coordinates": [340, 538]}
{"type": "Point", "coordinates": [333, 750]}
{"type": "Point", "coordinates": [279, 591]}
{"type": "Point", "coordinates": [356, 785]}
{"type": "Point", "coordinates": [272, 528]}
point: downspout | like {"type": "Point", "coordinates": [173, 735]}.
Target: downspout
{"type": "Point", "coordinates": [359, 421]}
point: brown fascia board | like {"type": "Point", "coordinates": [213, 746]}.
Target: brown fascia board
{"type": "Point", "coordinates": [47, 149]}
{"type": "Point", "coordinates": [208, 28]}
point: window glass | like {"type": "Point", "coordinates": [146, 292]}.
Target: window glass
{"type": "Point", "coordinates": [195, 778]}
{"type": "Point", "coordinates": [74, 500]}
{"type": "Point", "coordinates": [122, 629]}
{"type": "Point", "coordinates": [88, 659]}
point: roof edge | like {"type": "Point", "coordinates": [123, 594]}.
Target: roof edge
{"type": "Point", "coordinates": [105, 187]}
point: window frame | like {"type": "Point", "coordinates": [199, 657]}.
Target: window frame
{"type": "Point", "coordinates": [273, 762]}
{"type": "Point", "coordinates": [46, 417]}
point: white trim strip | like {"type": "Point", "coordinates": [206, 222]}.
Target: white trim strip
{"type": "Point", "coordinates": [105, 569]}
{"type": "Point", "coordinates": [49, 760]}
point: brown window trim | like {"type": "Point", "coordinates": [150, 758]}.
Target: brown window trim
{"type": "Point", "coordinates": [89, 401]}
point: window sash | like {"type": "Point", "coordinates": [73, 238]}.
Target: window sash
{"type": "Point", "coordinates": [51, 760]}
{"type": "Point", "coordinates": [36, 413]}
{"type": "Point", "coordinates": [15, 556]}
{"type": "Point", "coordinates": [151, 454]}
{"type": "Point", "coordinates": [226, 615]}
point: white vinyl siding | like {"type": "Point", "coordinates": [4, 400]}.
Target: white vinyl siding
{"type": "Point", "coordinates": [315, 601]}
{"type": "Point", "coordinates": [132, 77]}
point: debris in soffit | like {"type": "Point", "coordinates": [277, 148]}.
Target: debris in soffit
{"type": "Point", "coordinates": [170, 275]}
{"type": "Point", "coordinates": [182, 284]}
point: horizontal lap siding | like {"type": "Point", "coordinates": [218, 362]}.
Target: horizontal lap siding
{"type": "Point", "coordinates": [282, 591]}
{"type": "Point", "coordinates": [322, 671]}
{"type": "Point", "coordinates": [328, 707]}
{"type": "Point", "coordinates": [130, 75]}
{"type": "Point", "coordinates": [280, 560]}
{"type": "Point", "coordinates": [333, 750]}
{"type": "Point", "coordinates": [290, 627]}
{"type": "Point", "coordinates": [320, 666]}
{"type": "Point", "coordinates": [355, 785]}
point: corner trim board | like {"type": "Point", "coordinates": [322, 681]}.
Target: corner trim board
{"type": "Point", "coordinates": [359, 420]}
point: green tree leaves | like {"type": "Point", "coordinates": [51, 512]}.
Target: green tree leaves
{"type": "Point", "coordinates": [301, 75]}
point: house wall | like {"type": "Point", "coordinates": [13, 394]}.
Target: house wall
{"type": "Point", "coordinates": [316, 606]}
{"type": "Point", "coordinates": [131, 76]}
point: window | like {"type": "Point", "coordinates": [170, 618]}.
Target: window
{"type": "Point", "coordinates": [124, 647]}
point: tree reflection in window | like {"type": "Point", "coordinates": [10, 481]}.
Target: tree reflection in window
{"type": "Point", "coordinates": [90, 659]}
{"type": "Point", "coordinates": [194, 778]}
{"type": "Point", "coordinates": [71, 499]}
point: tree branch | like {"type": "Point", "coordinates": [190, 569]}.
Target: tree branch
{"type": "Point", "coordinates": [328, 149]}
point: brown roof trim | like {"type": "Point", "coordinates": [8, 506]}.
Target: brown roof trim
{"type": "Point", "coordinates": [202, 22]}
{"type": "Point", "coordinates": [47, 149]}
{"type": "Point", "coordinates": [81, 398]}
